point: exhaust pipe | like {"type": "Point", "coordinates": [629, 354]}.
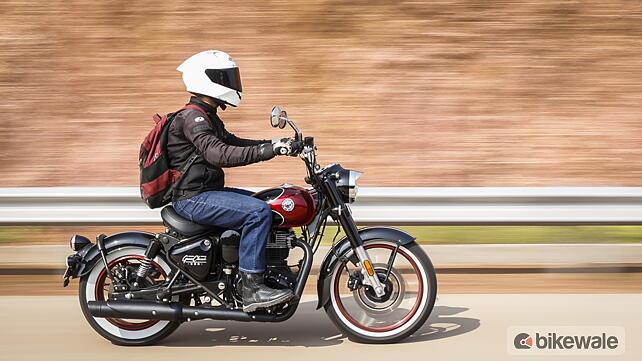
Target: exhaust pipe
{"type": "Point", "coordinates": [136, 310]}
{"type": "Point", "coordinates": [174, 311]}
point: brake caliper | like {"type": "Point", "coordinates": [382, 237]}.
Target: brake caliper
{"type": "Point", "coordinates": [355, 281]}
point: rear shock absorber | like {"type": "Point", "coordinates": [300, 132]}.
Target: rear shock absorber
{"type": "Point", "coordinates": [145, 264]}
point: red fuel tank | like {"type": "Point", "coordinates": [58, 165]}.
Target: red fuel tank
{"type": "Point", "coordinates": [291, 206]}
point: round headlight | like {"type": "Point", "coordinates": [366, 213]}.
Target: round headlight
{"type": "Point", "coordinates": [353, 193]}
{"type": "Point", "coordinates": [354, 175]}
{"type": "Point", "coordinates": [347, 184]}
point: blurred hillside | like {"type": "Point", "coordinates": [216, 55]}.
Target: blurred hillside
{"type": "Point", "coordinates": [434, 93]}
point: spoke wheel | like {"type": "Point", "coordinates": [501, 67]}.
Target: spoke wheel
{"type": "Point", "coordinates": [409, 294]}
{"type": "Point", "coordinates": [96, 286]}
{"type": "Point", "coordinates": [127, 265]}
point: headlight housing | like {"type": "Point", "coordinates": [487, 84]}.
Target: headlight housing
{"type": "Point", "coordinates": [347, 184]}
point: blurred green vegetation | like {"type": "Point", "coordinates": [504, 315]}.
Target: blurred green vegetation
{"type": "Point", "coordinates": [527, 234]}
{"type": "Point", "coordinates": [424, 234]}
{"type": "Point", "coordinates": [15, 234]}
{"type": "Point", "coordinates": [515, 234]}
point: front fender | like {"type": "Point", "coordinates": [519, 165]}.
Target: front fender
{"type": "Point", "coordinates": [91, 254]}
{"type": "Point", "coordinates": [339, 250]}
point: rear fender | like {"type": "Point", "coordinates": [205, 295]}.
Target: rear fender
{"type": "Point", "coordinates": [90, 254]}
{"type": "Point", "coordinates": [343, 247]}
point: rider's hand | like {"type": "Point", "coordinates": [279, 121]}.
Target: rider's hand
{"type": "Point", "coordinates": [297, 148]}
{"type": "Point", "coordinates": [282, 146]}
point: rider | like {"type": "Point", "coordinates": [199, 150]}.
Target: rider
{"type": "Point", "coordinates": [214, 81]}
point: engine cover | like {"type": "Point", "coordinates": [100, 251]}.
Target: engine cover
{"type": "Point", "coordinates": [194, 257]}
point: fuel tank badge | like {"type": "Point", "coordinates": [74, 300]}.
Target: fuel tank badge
{"type": "Point", "coordinates": [287, 205]}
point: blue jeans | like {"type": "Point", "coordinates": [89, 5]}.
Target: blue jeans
{"type": "Point", "coordinates": [234, 209]}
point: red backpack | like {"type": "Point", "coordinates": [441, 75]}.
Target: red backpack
{"type": "Point", "coordinates": [157, 180]}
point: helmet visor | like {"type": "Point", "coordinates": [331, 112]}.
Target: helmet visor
{"type": "Point", "coordinates": [229, 77]}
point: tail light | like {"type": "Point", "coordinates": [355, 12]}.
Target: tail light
{"type": "Point", "coordinates": [78, 242]}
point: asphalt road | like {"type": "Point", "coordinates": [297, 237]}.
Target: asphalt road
{"type": "Point", "coordinates": [462, 327]}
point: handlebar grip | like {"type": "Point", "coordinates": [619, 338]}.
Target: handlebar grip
{"type": "Point", "coordinates": [297, 147]}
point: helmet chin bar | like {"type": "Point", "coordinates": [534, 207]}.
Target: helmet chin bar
{"type": "Point", "coordinates": [215, 102]}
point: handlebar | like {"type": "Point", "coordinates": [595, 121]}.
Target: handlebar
{"type": "Point", "coordinates": [297, 148]}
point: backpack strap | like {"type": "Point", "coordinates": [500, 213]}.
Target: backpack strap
{"type": "Point", "coordinates": [192, 158]}
{"type": "Point", "coordinates": [193, 106]}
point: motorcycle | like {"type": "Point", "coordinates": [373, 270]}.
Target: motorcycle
{"type": "Point", "coordinates": [376, 284]}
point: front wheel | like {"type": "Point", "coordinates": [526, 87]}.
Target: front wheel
{"type": "Point", "coordinates": [96, 286]}
{"type": "Point", "coordinates": [410, 291]}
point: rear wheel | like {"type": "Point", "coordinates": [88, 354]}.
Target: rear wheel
{"type": "Point", "coordinates": [409, 297]}
{"type": "Point", "coordinates": [96, 286]}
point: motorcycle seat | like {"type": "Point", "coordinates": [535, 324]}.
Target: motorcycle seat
{"type": "Point", "coordinates": [182, 225]}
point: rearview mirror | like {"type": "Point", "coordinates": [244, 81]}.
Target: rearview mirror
{"type": "Point", "coordinates": [274, 116]}
{"type": "Point", "coordinates": [278, 117]}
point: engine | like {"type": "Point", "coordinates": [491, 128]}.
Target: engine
{"type": "Point", "coordinates": [278, 247]}
{"type": "Point", "coordinates": [277, 273]}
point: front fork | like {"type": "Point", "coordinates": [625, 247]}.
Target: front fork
{"type": "Point", "coordinates": [370, 278]}
{"type": "Point", "coordinates": [341, 212]}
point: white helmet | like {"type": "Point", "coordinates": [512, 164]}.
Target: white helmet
{"type": "Point", "coordinates": [212, 73]}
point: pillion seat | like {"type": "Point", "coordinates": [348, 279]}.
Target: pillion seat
{"type": "Point", "coordinates": [181, 225]}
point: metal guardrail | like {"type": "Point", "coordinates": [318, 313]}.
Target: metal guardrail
{"type": "Point", "coordinates": [396, 206]}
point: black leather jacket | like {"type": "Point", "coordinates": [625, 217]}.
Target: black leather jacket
{"type": "Point", "coordinates": [191, 129]}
